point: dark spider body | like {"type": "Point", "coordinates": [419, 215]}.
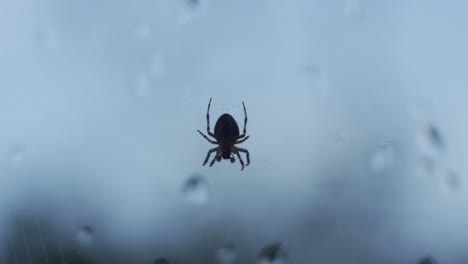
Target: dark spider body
{"type": "Point", "coordinates": [227, 135]}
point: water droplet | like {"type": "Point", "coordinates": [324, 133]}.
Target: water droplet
{"type": "Point", "coordinates": [353, 9]}
{"type": "Point", "coordinates": [384, 157]}
{"type": "Point", "coordinates": [84, 236]}
{"type": "Point", "coordinates": [427, 260]}
{"type": "Point", "coordinates": [17, 153]}
{"type": "Point", "coordinates": [46, 38]}
{"type": "Point", "coordinates": [195, 190]}
{"type": "Point", "coordinates": [426, 166]}
{"type": "Point", "coordinates": [312, 70]}
{"type": "Point", "coordinates": [452, 181]}
{"type": "Point", "coordinates": [190, 9]}
{"type": "Point", "coordinates": [161, 261]}
{"type": "Point", "coordinates": [157, 66]}
{"type": "Point", "coordinates": [193, 3]}
{"type": "Point", "coordinates": [226, 254]}
{"type": "Point", "coordinates": [435, 137]}
{"type": "Point", "coordinates": [421, 110]}
{"type": "Point", "coordinates": [431, 140]}
{"type": "Point", "coordinates": [342, 137]}
{"type": "Point", "coordinates": [142, 31]}
{"type": "Point", "coordinates": [142, 86]}
{"type": "Point", "coordinates": [318, 79]}
{"type": "Point", "coordinates": [273, 254]}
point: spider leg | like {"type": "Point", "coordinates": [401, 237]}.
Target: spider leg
{"type": "Point", "coordinates": [245, 123]}
{"type": "Point", "coordinates": [246, 153]}
{"type": "Point", "coordinates": [240, 160]}
{"type": "Point", "coordinates": [245, 119]}
{"type": "Point", "coordinates": [208, 155]}
{"type": "Point", "coordinates": [207, 138]}
{"type": "Point", "coordinates": [214, 159]}
{"type": "Point", "coordinates": [242, 140]}
{"type": "Point", "coordinates": [208, 120]}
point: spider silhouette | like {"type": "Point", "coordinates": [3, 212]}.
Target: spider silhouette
{"type": "Point", "coordinates": [226, 135]}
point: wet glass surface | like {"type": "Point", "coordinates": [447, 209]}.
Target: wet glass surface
{"type": "Point", "coordinates": [356, 117]}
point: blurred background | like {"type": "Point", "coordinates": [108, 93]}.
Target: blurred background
{"type": "Point", "coordinates": [356, 120]}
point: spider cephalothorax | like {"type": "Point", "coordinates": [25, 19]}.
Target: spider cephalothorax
{"type": "Point", "coordinates": [226, 135]}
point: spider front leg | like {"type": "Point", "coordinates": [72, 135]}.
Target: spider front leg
{"type": "Point", "coordinates": [246, 153]}
{"type": "Point", "coordinates": [208, 120]}
{"type": "Point", "coordinates": [245, 123]}
{"type": "Point", "coordinates": [208, 155]}
{"type": "Point", "coordinates": [207, 138]}
{"type": "Point", "coordinates": [242, 140]}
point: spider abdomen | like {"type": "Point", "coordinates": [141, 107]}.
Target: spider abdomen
{"type": "Point", "coordinates": [226, 129]}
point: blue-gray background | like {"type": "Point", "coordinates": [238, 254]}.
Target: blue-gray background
{"type": "Point", "coordinates": [357, 117]}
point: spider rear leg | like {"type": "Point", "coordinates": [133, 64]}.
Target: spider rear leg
{"type": "Point", "coordinates": [215, 158]}
{"type": "Point", "coordinates": [207, 138]}
{"type": "Point", "coordinates": [246, 153]}
{"type": "Point", "coordinates": [208, 155]}
{"type": "Point", "coordinates": [240, 160]}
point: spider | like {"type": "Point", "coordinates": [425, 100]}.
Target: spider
{"type": "Point", "coordinates": [226, 133]}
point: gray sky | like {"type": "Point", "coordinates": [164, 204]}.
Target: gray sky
{"type": "Point", "coordinates": [356, 121]}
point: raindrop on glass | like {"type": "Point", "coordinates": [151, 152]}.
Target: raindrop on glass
{"type": "Point", "coordinates": [342, 137]}
{"type": "Point", "coordinates": [353, 9]}
{"type": "Point", "coordinates": [427, 260]}
{"type": "Point", "coordinates": [312, 70]}
{"type": "Point", "coordinates": [16, 153]}
{"type": "Point", "coordinates": [318, 79]}
{"type": "Point", "coordinates": [421, 110]}
{"type": "Point", "coordinates": [142, 86]}
{"type": "Point", "coordinates": [157, 66]}
{"type": "Point", "coordinates": [431, 140]}
{"type": "Point", "coordinates": [435, 137]}
{"type": "Point", "coordinates": [426, 166]}
{"type": "Point", "coordinates": [189, 10]}
{"type": "Point", "coordinates": [142, 31]}
{"type": "Point", "coordinates": [226, 254]}
{"type": "Point", "coordinates": [161, 261]}
{"type": "Point", "coordinates": [46, 38]}
{"type": "Point", "coordinates": [84, 236]}
{"type": "Point", "coordinates": [384, 157]}
{"type": "Point", "coordinates": [193, 3]}
{"type": "Point", "coordinates": [452, 181]}
{"type": "Point", "coordinates": [195, 190]}
{"type": "Point", "coordinates": [273, 254]}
